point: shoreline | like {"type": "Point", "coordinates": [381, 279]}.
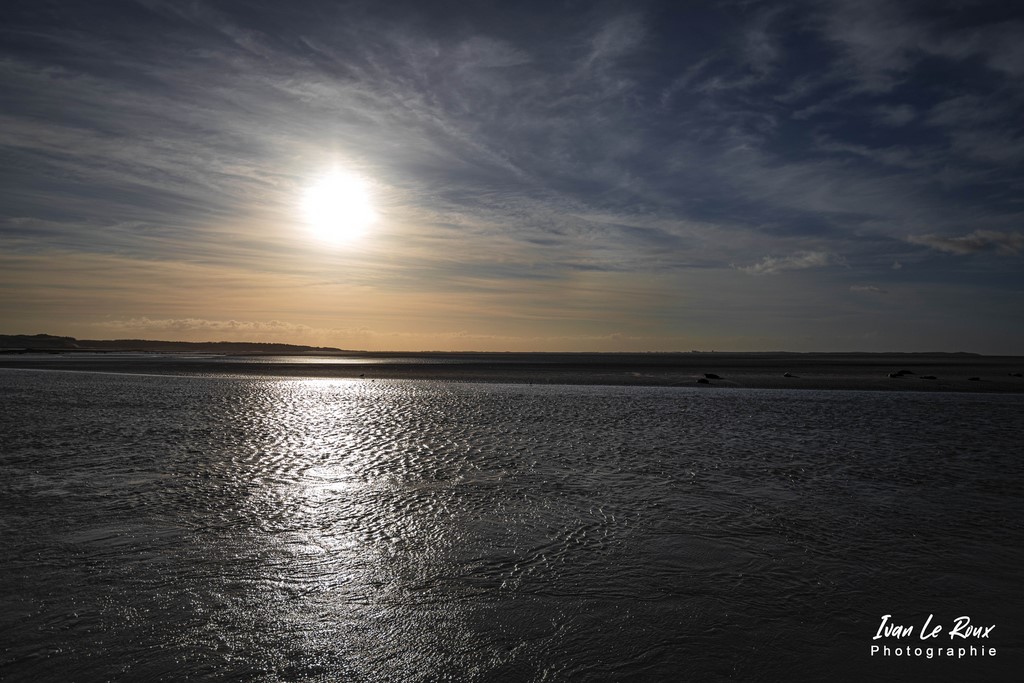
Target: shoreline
{"type": "Point", "coordinates": [718, 370]}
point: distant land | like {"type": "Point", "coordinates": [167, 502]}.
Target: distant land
{"type": "Point", "coordinates": [896, 371]}
{"type": "Point", "coordinates": [27, 343]}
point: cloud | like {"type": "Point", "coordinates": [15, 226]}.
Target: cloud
{"type": "Point", "coordinates": [895, 116]}
{"type": "Point", "coordinates": [896, 156]}
{"type": "Point", "coordinates": [617, 37]}
{"type": "Point", "coordinates": [1002, 147]}
{"type": "Point", "coordinates": [968, 110]}
{"type": "Point", "coordinates": [771, 265]}
{"type": "Point", "coordinates": [883, 41]}
{"type": "Point", "coordinates": [979, 240]}
{"type": "Point", "coordinates": [257, 328]}
{"type": "Point", "coordinates": [876, 39]}
{"type": "Point", "coordinates": [871, 289]}
{"type": "Point", "coordinates": [760, 48]}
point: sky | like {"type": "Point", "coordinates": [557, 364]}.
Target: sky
{"type": "Point", "coordinates": [800, 175]}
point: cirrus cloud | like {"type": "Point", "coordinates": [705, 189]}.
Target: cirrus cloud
{"type": "Point", "coordinates": [771, 265]}
{"type": "Point", "coordinates": [979, 240]}
{"type": "Point", "coordinates": [145, 324]}
{"type": "Point", "coordinates": [870, 289]}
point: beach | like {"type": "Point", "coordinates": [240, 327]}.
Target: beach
{"type": "Point", "coordinates": [171, 518]}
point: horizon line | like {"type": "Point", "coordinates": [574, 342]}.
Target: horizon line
{"type": "Point", "coordinates": [334, 349]}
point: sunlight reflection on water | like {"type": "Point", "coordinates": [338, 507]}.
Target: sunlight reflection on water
{"type": "Point", "coordinates": [349, 528]}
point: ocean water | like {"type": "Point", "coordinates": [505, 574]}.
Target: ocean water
{"type": "Point", "coordinates": [167, 528]}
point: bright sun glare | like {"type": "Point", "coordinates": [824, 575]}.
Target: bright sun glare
{"type": "Point", "coordinates": [338, 207]}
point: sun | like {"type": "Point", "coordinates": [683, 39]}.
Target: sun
{"type": "Point", "coordinates": [338, 207]}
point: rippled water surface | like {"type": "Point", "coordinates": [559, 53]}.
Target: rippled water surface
{"type": "Point", "coordinates": [173, 528]}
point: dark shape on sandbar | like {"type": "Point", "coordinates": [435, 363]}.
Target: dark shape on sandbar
{"type": "Point", "coordinates": [900, 373]}
{"type": "Point", "coordinates": [894, 375]}
{"type": "Point", "coordinates": [928, 377]}
{"type": "Point", "coordinates": [703, 381]}
{"type": "Point", "coordinates": [973, 379]}
{"type": "Point", "coordinates": [711, 375]}
{"type": "Point", "coordinates": [790, 374]}
{"type": "Point", "coordinates": [1015, 374]}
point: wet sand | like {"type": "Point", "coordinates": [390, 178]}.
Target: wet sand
{"type": "Point", "coordinates": [846, 371]}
